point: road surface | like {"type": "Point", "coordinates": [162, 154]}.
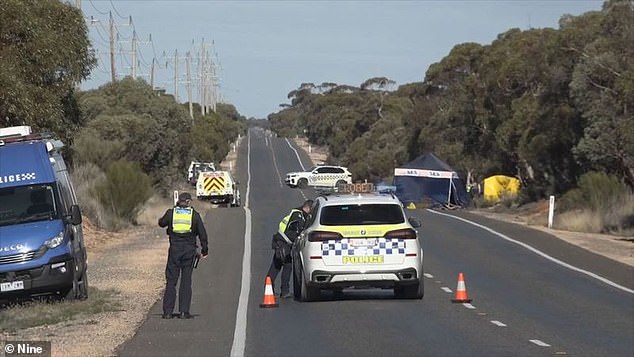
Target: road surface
{"type": "Point", "coordinates": [533, 295]}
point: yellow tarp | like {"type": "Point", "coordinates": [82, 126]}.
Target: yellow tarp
{"type": "Point", "coordinates": [498, 186]}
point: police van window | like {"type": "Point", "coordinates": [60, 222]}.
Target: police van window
{"type": "Point", "coordinates": [24, 204]}
{"type": "Point", "coordinates": [355, 214]}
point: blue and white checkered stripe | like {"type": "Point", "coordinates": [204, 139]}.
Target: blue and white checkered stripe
{"type": "Point", "coordinates": [343, 247]}
{"type": "Point", "coordinates": [326, 177]}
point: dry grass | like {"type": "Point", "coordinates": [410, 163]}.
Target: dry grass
{"type": "Point", "coordinates": [230, 162]}
{"type": "Point", "coordinates": [579, 221]}
{"type": "Point", "coordinates": [45, 312]}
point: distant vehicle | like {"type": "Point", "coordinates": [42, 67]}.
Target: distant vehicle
{"type": "Point", "coordinates": [218, 187]}
{"type": "Point", "coordinates": [358, 240]}
{"type": "Point", "coordinates": [42, 248]}
{"type": "Point", "coordinates": [321, 176]}
{"type": "Point", "coordinates": [196, 167]}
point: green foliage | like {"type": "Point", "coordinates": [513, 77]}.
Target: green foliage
{"type": "Point", "coordinates": [545, 105]}
{"type": "Point", "coordinates": [128, 120]}
{"type": "Point", "coordinates": [125, 189]}
{"type": "Point", "coordinates": [44, 53]}
{"type": "Point", "coordinates": [596, 191]}
{"type": "Point", "coordinates": [605, 201]}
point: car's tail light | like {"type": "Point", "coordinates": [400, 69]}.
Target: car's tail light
{"type": "Point", "coordinates": [320, 236]}
{"type": "Point", "coordinates": [405, 233]}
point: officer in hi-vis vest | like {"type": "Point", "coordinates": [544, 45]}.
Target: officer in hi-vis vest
{"type": "Point", "coordinates": [288, 230]}
{"type": "Point", "coordinates": [183, 224]}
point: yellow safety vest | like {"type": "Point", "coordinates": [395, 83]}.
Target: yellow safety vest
{"type": "Point", "coordinates": [182, 218]}
{"type": "Point", "coordinates": [284, 224]}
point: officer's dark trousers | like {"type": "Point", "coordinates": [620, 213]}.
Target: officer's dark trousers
{"type": "Point", "coordinates": [180, 261]}
{"type": "Point", "coordinates": [286, 269]}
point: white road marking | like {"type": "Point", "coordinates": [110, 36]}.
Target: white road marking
{"type": "Point", "coordinates": [296, 154]}
{"type": "Point", "coordinates": [275, 164]}
{"type": "Point", "coordinates": [240, 331]}
{"type": "Point", "coordinates": [468, 305]}
{"type": "Point", "coordinates": [446, 289]}
{"type": "Point", "coordinates": [540, 253]}
{"type": "Point", "coordinates": [498, 323]}
{"type": "Point", "coordinates": [300, 163]}
{"type": "Point", "coordinates": [540, 343]}
{"type": "Point", "coordinates": [429, 276]}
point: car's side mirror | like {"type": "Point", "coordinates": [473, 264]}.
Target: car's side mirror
{"type": "Point", "coordinates": [415, 222]}
{"type": "Point", "coordinates": [75, 215]}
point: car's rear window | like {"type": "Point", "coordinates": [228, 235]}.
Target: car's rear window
{"type": "Point", "coordinates": [355, 214]}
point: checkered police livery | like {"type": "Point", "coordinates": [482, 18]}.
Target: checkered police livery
{"type": "Point", "coordinates": [321, 176]}
{"type": "Point", "coordinates": [344, 247]}
{"type": "Point", "coordinates": [358, 238]}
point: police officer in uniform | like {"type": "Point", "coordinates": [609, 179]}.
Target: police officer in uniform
{"type": "Point", "coordinates": [183, 224]}
{"type": "Point", "coordinates": [288, 230]}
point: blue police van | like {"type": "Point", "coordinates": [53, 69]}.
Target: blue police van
{"type": "Point", "coordinates": [42, 249]}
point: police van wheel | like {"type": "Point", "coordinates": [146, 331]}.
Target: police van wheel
{"type": "Point", "coordinates": [302, 183]}
{"type": "Point", "coordinates": [79, 290]}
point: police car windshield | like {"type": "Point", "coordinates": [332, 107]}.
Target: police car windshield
{"type": "Point", "coordinates": [351, 215]}
{"type": "Point", "coordinates": [24, 204]}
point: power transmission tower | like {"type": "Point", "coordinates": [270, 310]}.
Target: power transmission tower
{"type": "Point", "coordinates": [189, 85]}
{"type": "Point", "coordinates": [113, 69]}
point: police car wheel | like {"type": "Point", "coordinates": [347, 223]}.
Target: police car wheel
{"type": "Point", "coordinates": [340, 182]}
{"type": "Point", "coordinates": [297, 290]}
{"type": "Point", "coordinates": [308, 293]}
{"type": "Point", "coordinates": [302, 183]}
{"type": "Point", "coordinates": [414, 291]}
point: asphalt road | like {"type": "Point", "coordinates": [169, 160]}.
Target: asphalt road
{"type": "Point", "coordinates": [543, 298]}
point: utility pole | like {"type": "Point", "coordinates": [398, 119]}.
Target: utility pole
{"type": "Point", "coordinates": [176, 75]}
{"type": "Point", "coordinates": [133, 55]}
{"type": "Point", "coordinates": [152, 73]}
{"type": "Point", "coordinates": [113, 70]}
{"type": "Point", "coordinates": [189, 86]}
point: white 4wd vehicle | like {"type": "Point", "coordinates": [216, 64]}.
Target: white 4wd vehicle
{"type": "Point", "coordinates": [358, 240]}
{"type": "Point", "coordinates": [322, 176]}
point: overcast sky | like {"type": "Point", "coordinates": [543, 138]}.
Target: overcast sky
{"type": "Point", "coordinates": [266, 49]}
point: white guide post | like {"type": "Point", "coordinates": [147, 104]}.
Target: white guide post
{"type": "Point", "coordinates": [551, 211]}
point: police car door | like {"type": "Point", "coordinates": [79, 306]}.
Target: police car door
{"type": "Point", "coordinates": [317, 176]}
{"type": "Point", "coordinates": [330, 176]}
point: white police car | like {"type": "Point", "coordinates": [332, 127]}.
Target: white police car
{"type": "Point", "coordinates": [321, 176]}
{"type": "Point", "coordinates": [358, 240]}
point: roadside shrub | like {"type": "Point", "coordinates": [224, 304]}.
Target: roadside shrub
{"type": "Point", "coordinates": [600, 204]}
{"type": "Point", "coordinates": [85, 178]}
{"type": "Point", "coordinates": [125, 189]}
{"type": "Point", "coordinates": [90, 148]}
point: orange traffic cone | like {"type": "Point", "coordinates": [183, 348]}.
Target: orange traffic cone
{"type": "Point", "coordinates": [461, 291]}
{"type": "Point", "coordinates": [269, 297]}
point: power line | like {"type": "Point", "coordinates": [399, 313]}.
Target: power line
{"type": "Point", "coordinates": [99, 11]}
{"type": "Point", "coordinates": [116, 11]}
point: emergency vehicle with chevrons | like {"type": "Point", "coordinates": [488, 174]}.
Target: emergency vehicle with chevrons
{"type": "Point", "coordinates": [219, 187]}
{"type": "Point", "coordinates": [361, 239]}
